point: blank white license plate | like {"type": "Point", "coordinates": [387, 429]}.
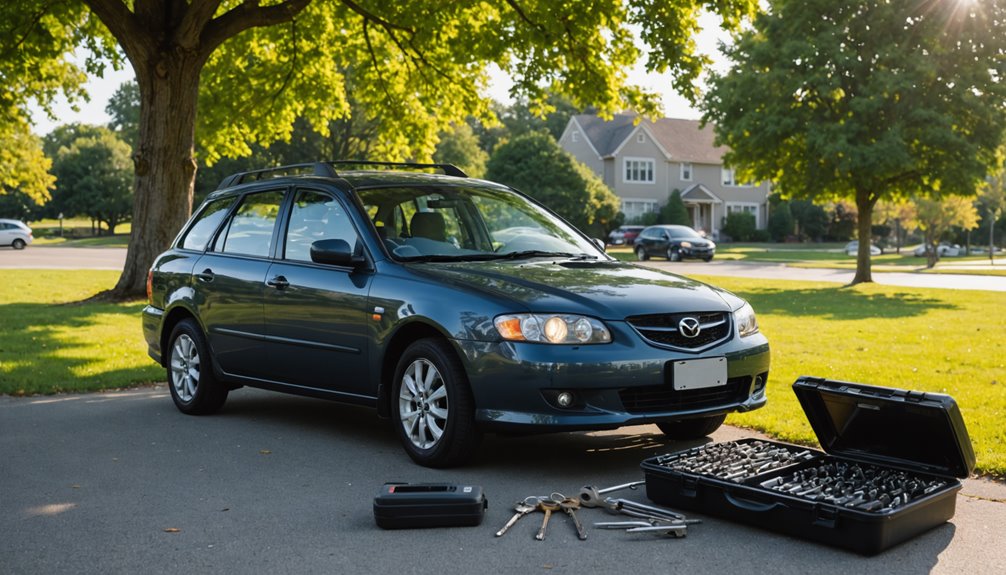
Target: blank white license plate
{"type": "Point", "coordinates": [699, 373]}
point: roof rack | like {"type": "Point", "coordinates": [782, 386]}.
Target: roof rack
{"type": "Point", "coordinates": [449, 169]}
{"type": "Point", "coordinates": [327, 170]}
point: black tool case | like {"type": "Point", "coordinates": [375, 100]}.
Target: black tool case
{"type": "Point", "coordinates": [409, 505]}
{"type": "Point", "coordinates": [890, 471]}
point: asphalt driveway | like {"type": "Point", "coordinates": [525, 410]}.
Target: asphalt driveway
{"type": "Point", "coordinates": [120, 482]}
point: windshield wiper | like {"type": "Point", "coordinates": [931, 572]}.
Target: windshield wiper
{"type": "Point", "coordinates": [534, 254]}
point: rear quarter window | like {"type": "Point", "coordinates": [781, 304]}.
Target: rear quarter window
{"type": "Point", "coordinates": [207, 222]}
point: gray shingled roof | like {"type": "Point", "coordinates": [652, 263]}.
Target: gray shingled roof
{"type": "Point", "coordinates": [684, 140]}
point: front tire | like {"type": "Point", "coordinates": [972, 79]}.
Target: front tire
{"type": "Point", "coordinates": [433, 410]}
{"type": "Point", "coordinates": [18, 244]}
{"type": "Point", "coordinates": [194, 388]}
{"type": "Point", "coordinates": [673, 255]}
{"type": "Point", "coordinates": [641, 254]}
{"type": "Point", "coordinates": [696, 428]}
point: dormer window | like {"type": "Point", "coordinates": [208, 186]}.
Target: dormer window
{"type": "Point", "coordinates": [575, 136]}
{"type": "Point", "coordinates": [640, 138]}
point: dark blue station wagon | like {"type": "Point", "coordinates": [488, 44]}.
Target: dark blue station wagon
{"type": "Point", "coordinates": [454, 306]}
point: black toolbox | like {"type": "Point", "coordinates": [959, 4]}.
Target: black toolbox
{"type": "Point", "coordinates": [407, 505]}
{"type": "Point", "coordinates": [890, 471]}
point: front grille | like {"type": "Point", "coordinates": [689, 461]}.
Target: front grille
{"type": "Point", "coordinates": [662, 329]}
{"type": "Point", "coordinates": [657, 398]}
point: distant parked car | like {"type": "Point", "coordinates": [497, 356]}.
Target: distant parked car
{"type": "Point", "coordinates": [943, 249]}
{"type": "Point", "coordinates": [852, 249]}
{"type": "Point", "coordinates": [15, 234]}
{"type": "Point", "coordinates": [624, 235]}
{"type": "Point", "coordinates": [674, 243]}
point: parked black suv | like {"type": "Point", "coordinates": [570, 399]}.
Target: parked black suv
{"type": "Point", "coordinates": [452, 305]}
{"type": "Point", "coordinates": [675, 243]}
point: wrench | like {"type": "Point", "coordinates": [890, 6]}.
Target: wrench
{"type": "Point", "coordinates": [590, 496]}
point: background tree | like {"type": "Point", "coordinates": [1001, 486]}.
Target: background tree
{"type": "Point", "coordinates": [992, 198]}
{"type": "Point", "coordinates": [124, 110]}
{"type": "Point", "coordinates": [900, 215]}
{"type": "Point", "coordinates": [674, 211]}
{"type": "Point", "coordinates": [780, 222]}
{"type": "Point", "coordinates": [938, 216]}
{"type": "Point", "coordinates": [460, 146]}
{"type": "Point", "coordinates": [864, 99]}
{"type": "Point", "coordinates": [94, 177]}
{"type": "Point", "coordinates": [536, 165]}
{"type": "Point", "coordinates": [251, 69]}
{"type": "Point", "coordinates": [24, 168]}
{"type": "Point", "coordinates": [811, 219]}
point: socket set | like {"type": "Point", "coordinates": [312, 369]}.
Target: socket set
{"type": "Point", "coordinates": [736, 461]}
{"type": "Point", "coordinates": [856, 485]}
{"type": "Point", "coordinates": [889, 470]}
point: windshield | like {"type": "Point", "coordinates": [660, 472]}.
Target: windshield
{"type": "Point", "coordinates": [427, 223]}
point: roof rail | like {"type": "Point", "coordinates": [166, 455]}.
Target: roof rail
{"type": "Point", "coordinates": [317, 169]}
{"type": "Point", "coordinates": [327, 170]}
{"type": "Point", "coordinates": [448, 169]}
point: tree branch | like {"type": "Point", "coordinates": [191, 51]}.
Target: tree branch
{"type": "Point", "coordinates": [374, 17]}
{"type": "Point", "coordinates": [136, 42]}
{"type": "Point", "coordinates": [194, 21]}
{"type": "Point", "coordinates": [244, 16]}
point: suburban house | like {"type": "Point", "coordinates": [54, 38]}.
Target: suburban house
{"type": "Point", "coordinates": [643, 163]}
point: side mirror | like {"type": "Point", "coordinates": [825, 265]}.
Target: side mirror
{"type": "Point", "coordinates": [334, 252]}
{"type": "Point", "coordinates": [600, 244]}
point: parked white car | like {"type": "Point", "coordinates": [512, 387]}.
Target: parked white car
{"type": "Point", "coordinates": [852, 249]}
{"type": "Point", "coordinates": [15, 234]}
{"type": "Point", "coordinates": [944, 249]}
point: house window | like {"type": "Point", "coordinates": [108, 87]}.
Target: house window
{"type": "Point", "coordinates": [634, 209]}
{"type": "Point", "coordinates": [729, 177]}
{"type": "Point", "coordinates": [686, 171]}
{"type": "Point", "coordinates": [744, 208]}
{"type": "Point", "coordinates": [640, 138]}
{"type": "Point", "coordinates": [575, 136]}
{"type": "Point", "coordinates": [639, 170]}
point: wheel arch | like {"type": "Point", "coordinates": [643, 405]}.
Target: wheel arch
{"type": "Point", "coordinates": [402, 338]}
{"type": "Point", "coordinates": [172, 318]}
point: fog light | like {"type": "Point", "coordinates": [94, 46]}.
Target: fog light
{"type": "Point", "coordinates": [565, 399]}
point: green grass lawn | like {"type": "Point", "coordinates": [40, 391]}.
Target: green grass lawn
{"type": "Point", "coordinates": [116, 241]}
{"type": "Point", "coordinates": [947, 341]}
{"type": "Point", "coordinates": [50, 344]}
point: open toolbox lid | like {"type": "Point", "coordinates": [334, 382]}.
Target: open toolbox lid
{"type": "Point", "coordinates": [893, 427]}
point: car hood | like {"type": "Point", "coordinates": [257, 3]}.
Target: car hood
{"type": "Point", "coordinates": [602, 289]}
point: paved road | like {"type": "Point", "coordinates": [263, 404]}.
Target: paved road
{"type": "Point", "coordinates": [280, 484]}
{"type": "Point", "coordinates": [38, 257]}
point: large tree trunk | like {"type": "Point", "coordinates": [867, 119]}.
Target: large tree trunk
{"type": "Point", "coordinates": [165, 163]}
{"type": "Point", "coordinates": [864, 205]}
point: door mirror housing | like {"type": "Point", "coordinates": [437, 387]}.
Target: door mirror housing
{"type": "Point", "coordinates": [334, 252]}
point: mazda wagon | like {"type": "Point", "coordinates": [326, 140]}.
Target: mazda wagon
{"type": "Point", "coordinates": [451, 305]}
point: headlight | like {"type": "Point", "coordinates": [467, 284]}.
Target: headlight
{"type": "Point", "coordinates": [712, 245]}
{"type": "Point", "coordinates": [686, 244]}
{"type": "Point", "coordinates": [552, 328]}
{"type": "Point", "coordinates": [745, 320]}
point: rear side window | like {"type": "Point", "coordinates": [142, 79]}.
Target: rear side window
{"type": "Point", "coordinates": [250, 230]}
{"type": "Point", "coordinates": [206, 223]}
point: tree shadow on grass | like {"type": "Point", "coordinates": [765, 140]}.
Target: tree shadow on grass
{"type": "Point", "coordinates": [51, 348]}
{"type": "Point", "coordinates": [841, 303]}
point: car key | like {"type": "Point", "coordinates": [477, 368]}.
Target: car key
{"type": "Point", "coordinates": [528, 505]}
{"type": "Point", "coordinates": [547, 506]}
{"type": "Point", "coordinates": [570, 505]}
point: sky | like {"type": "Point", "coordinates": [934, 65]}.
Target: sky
{"type": "Point", "coordinates": [675, 106]}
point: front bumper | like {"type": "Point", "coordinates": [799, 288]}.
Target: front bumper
{"type": "Point", "coordinates": [625, 382]}
{"type": "Point", "coordinates": [697, 253]}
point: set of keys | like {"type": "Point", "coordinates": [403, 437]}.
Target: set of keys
{"type": "Point", "coordinates": [548, 506]}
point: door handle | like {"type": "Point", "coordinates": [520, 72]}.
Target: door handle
{"type": "Point", "coordinates": [205, 276]}
{"type": "Point", "coordinates": [278, 282]}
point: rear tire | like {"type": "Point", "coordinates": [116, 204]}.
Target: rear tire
{"type": "Point", "coordinates": [696, 428]}
{"type": "Point", "coordinates": [432, 406]}
{"type": "Point", "coordinates": [194, 388]}
{"type": "Point", "coordinates": [18, 244]}
{"type": "Point", "coordinates": [641, 254]}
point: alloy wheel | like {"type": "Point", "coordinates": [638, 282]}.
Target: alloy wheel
{"type": "Point", "coordinates": [422, 404]}
{"type": "Point", "coordinates": [185, 368]}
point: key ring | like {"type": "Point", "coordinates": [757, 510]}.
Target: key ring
{"type": "Point", "coordinates": [554, 499]}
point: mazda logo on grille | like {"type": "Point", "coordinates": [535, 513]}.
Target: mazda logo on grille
{"type": "Point", "coordinates": [689, 327]}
